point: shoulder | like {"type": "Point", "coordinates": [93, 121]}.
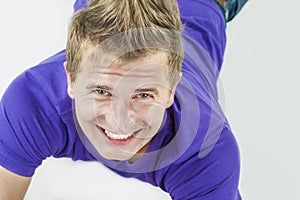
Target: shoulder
{"type": "Point", "coordinates": [203, 155]}
{"type": "Point", "coordinates": [31, 125]}
{"type": "Point", "coordinates": [38, 89]}
{"type": "Point", "coordinates": [213, 176]}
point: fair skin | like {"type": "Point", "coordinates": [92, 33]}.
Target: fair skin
{"type": "Point", "coordinates": [12, 186]}
{"type": "Point", "coordinates": [120, 106]}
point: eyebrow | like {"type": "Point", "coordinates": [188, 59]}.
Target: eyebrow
{"type": "Point", "coordinates": [154, 90]}
{"type": "Point", "coordinates": [104, 87]}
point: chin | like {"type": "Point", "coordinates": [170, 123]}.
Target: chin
{"type": "Point", "coordinates": [118, 156]}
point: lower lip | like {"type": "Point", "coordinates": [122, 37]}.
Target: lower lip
{"type": "Point", "coordinates": [119, 142]}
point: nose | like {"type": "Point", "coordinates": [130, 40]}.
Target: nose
{"type": "Point", "coordinates": [121, 118]}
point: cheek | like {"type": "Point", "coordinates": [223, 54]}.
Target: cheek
{"type": "Point", "coordinates": [157, 114]}
{"type": "Point", "coordinates": [88, 108]}
{"type": "Point", "coordinates": [150, 114]}
{"type": "Point", "coordinates": [84, 110]}
{"type": "Point", "coordinates": [94, 110]}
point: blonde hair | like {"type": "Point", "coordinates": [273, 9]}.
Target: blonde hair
{"type": "Point", "coordinates": [145, 26]}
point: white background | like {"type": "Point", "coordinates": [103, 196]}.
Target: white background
{"type": "Point", "coordinates": [259, 84]}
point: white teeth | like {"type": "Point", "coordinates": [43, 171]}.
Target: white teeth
{"type": "Point", "coordinates": [118, 136]}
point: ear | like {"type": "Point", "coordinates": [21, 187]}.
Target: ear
{"type": "Point", "coordinates": [172, 93]}
{"type": "Point", "coordinates": [70, 85]}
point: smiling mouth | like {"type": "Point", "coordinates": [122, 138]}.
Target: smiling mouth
{"type": "Point", "coordinates": [114, 137]}
{"type": "Point", "coordinates": [118, 136]}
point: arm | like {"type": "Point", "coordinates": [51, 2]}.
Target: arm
{"type": "Point", "coordinates": [12, 186]}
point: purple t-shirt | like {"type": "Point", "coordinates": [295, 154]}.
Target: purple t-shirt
{"type": "Point", "coordinates": [193, 156]}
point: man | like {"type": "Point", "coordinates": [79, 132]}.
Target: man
{"type": "Point", "coordinates": [123, 93]}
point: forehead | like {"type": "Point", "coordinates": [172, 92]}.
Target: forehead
{"type": "Point", "coordinates": [102, 62]}
{"type": "Point", "coordinates": [108, 68]}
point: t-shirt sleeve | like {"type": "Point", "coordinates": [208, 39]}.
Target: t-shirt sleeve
{"type": "Point", "coordinates": [213, 177]}
{"type": "Point", "coordinates": [29, 123]}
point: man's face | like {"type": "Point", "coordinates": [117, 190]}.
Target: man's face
{"type": "Point", "coordinates": [120, 107]}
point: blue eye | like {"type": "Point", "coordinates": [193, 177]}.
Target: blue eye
{"type": "Point", "coordinates": [144, 95]}
{"type": "Point", "coordinates": [102, 92]}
